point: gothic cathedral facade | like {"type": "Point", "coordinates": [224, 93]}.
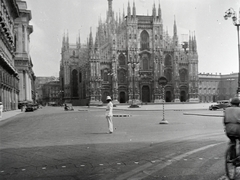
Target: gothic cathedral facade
{"type": "Point", "coordinates": [130, 53]}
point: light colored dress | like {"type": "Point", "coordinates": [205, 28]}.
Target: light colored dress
{"type": "Point", "coordinates": [109, 115]}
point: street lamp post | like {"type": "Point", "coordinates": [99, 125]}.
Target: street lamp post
{"type": "Point", "coordinates": [61, 94]}
{"type": "Point", "coordinates": [133, 68]}
{"type": "Point", "coordinates": [133, 65]}
{"type": "Point", "coordinates": [236, 22]}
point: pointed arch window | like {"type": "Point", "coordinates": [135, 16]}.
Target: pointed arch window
{"type": "Point", "coordinates": [122, 77]}
{"type": "Point", "coordinates": [145, 61]}
{"type": "Point", "coordinates": [168, 74]}
{"type": "Point", "coordinates": [183, 75]}
{"type": "Point", "coordinates": [168, 60]}
{"type": "Point", "coordinates": [144, 40]}
{"type": "Point", "coordinates": [122, 60]}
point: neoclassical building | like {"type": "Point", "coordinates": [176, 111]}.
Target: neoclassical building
{"type": "Point", "coordinates": [130, 53]}
{"type": "Point", "coordinates": [23, 61]}
{"type": "Point", "coordinates": [16, 74]}
{"type": "Point", "coordinates": [9, 78]}
{"type": "Point", "coordinates": [215, 87]}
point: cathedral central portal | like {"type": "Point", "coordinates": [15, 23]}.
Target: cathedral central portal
{"type": "Point", "coordinates": [146, 94]}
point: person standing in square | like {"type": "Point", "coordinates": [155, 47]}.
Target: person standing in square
{"type": "Point", "coordinates": [109, 114]}
{"type": "Point", "coordinates": [1, 109]}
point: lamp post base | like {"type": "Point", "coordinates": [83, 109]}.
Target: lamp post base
{"type": "Point", "coordinates": [134, 106]}
{"type": "Point", "coordinates": [164, 122]}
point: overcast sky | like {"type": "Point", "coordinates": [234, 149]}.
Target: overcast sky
{"type": "Point", "coordinates": [216, 38]}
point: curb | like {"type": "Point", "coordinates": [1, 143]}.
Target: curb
{"type": "Point", "coordinates": [211, 115]}
{"type": "Point", "coordinates": [139, 109]}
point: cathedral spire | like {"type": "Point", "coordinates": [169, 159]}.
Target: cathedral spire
{"type": "Point", "coordinates": [123, 13]}
{"type": "Point", "coordinates": [134, 10]}
{"type": "Point", "coordinates": [110, 11]}
{"type": "Point", "coordinates": [79, 40]}
{"type": "Point", "coordinates": [175, 27]}
{"type": "Point", "coordinates": [195, 42]}
{"type": "Point", "coordinates": [129, 10]}
{"type": "Point", "coordinates": [175, 37]}
{"type": "Point", "coordinates": [154, 11]}
{"type": "Point", "coordinates": [190, 42]}
{"type": "Point", "coordinates": [90, 39]}
{"type": "Point", "coordinates": [67, 39]}
{"type": "Point", "coordinates": [96, 42]}
{"type": "Point", "coordinates": [63, 41]}
{"type": "Point", "coordinates": [193, 47]}
{"type": "Point", "coordinates": [159, 12]}
{"type": "Point", "coordinates": [119, 16]}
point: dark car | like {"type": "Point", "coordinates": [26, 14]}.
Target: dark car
{"type": "Point", "coordinates": [220, 105]}
{"type": "Point", "coordinates": [30, 108]}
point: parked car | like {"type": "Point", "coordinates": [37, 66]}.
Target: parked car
{"type": "Point", "coordinates": [31, 107]}
{"type": "Point", "coordinates": [220, 105]}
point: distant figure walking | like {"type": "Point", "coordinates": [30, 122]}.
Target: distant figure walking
{"type": "Point", "coordinates": [1, 109]}
{"type": "Point", "coordinates": [109, 114]}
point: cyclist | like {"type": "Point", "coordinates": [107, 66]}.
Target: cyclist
{"type": "Point", "coordinates": [231, 122]}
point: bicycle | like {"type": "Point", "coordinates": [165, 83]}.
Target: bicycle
{"type": "Point", "coordinates": [232, 159]}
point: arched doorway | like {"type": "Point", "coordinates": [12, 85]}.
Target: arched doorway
{"type": "Point", "coordinates": [122, 97]}
{"type": "Point", "coordinates": [183, 96]}
{"type": "Point", "coordinates": [168, 97]}
{"type": "Point", "coordinates": [145, 94]}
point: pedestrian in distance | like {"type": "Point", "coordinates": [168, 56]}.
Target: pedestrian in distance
{"type": "Point", "coordinates": [22, 107]}
{"type": "Point", "coordinates": [109, 114]}
{"type": "Point", "coordinates": [1, 109]}
{"type": "Point", "coordinates": [231, 122]}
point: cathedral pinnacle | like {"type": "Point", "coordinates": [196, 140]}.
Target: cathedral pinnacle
{"type": "Point", "coordinates": [129, 10]}
{"type": "Point", "coordinates": [175, 27]}
{"type": "Point", "coordinates": [110, 11]}
{"type": "Point", "coordinates": [159, 12]}
{"type": "Point", "coordinates": [90, 39]}
{"type": "Point", "coordinates": [154, 11]}
{"type": "Point", "coordinates": [134, 10]}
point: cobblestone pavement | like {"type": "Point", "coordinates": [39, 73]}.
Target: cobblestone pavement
{"type": "Point", "coordinates": [53, 144]}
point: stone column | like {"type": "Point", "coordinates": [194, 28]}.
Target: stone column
{"type": "Point", "coordinates": [7, 99]}
{"type": "Point", "coordinates": [26, 86]}
{"type": "Point", "coordinates": [30, 88]}
{"type": "Point", "coordinates": [25, 39]}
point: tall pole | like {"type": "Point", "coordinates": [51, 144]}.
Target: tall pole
{"type": "Point", "coordinates": [133, 84]}
{"type": "Point", "coordinates": [163, 94]}
{"type": "Point", "coordinates": [164, 121]}
{"type": "Point", "coordinates": [133, 67]}
{"type": "Point", "coordinates": [236, 22]}
{"type": "Point", "coordinates": [238, 90]}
